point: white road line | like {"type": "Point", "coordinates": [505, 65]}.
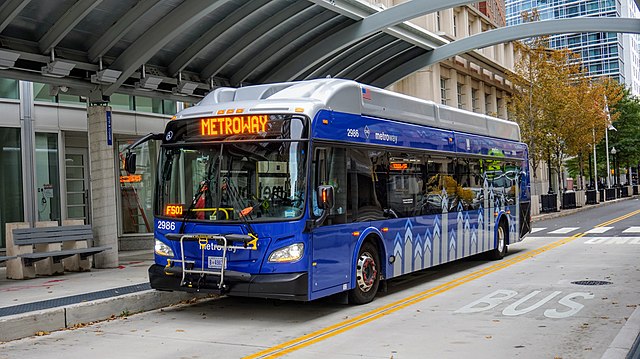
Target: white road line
{"type": "Point", "coordinates": [534, 230]}
{"type": "Point", "coordinates": [612, 240]}
{"type": "Point", "coordinates": [598, 230]}
{"type": "Point", "coordinates": [564, 230]}
{"type": "Point", "coordinates": [632, 230]}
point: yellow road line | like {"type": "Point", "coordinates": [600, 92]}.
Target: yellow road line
{"type": "Point", "coordinates": [623, 217]}
{"type": "Point", "coordinates": [333, 330]}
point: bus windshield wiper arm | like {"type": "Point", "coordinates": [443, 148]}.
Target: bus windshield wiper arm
{"type": "Point", "coordinates": [235, 197]}
{"type": "Point", "coordinates": [201, 189]}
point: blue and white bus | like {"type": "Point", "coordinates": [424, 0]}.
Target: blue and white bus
{"type": "Point", "coordinates": [301, 190]}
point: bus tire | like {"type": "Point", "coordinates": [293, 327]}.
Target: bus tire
{"type": "Point", "coordinates": [367, 274]}
{"type": "Point", "coordinates": [501, 237]}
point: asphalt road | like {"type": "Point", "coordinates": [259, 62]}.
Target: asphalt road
{"type": "Point", "coordinates": [566, 291]}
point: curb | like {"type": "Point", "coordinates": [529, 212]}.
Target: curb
{"type": "Point", "coordinates": [33, 323]}
{"type": "Point", "coordinates": [622, 344]}
{"type": "Point", "coordinates": [567, 212]}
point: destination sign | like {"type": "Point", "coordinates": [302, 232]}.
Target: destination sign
{"type": "Point", "coordinates": [173, 210]}
{"type": "Point", "coordinates": [398, 166]}
{"type": "Point", "coordinates": [233, 125]}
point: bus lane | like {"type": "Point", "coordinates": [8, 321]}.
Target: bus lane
{"type": "Point", "coordinates": [564, 297]}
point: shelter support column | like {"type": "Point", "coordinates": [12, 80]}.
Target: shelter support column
{"type": "Point", "coordinates": [103, 185]}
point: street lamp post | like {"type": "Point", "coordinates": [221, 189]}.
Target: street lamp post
{"type": "Point", "coordinates": [613, 153]}
{"type": "Point", "coordinates": [606, 142]}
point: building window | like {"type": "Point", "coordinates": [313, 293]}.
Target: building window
{"type": "Point", "coordinates": [459, 89]}
{"type": "Point", "coordinates": [12, 205]}
{"type": "Point", "coordinates": [443, 91]}
{"type": "Point", "coordinates": [136, 190]}
{"type": "Point", "coordinates": [9, 89]}
{"type": "Point", "coordinates": [47, 177]}
{"type": "Point", "coordinates": [455, 25]}
{"type": "Point", "coordinates": [438, 27]}
{"type": "Point", "coordinates": [474, 100]}
{"type": "Point", "coordinates": [42, 93]}
{"type": "Point", "coordinates": [119, 101]}
{"type": "Point", "coordinates": [487, 104]}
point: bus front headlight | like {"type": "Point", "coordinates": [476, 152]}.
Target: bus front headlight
{"type": "Point", "coordinates": [163, 249]}
{"type": "Point", "coordinates": [287, 254]}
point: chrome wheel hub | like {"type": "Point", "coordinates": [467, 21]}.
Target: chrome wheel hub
{"type": "Point", "coordinates": [500, 239]}
{"type": "Point", "coordinates": [366, 272]}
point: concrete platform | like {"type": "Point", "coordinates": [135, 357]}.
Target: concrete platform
{"type": "Point", "coordinates": [46, 304]}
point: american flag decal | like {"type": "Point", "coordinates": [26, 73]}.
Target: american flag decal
{"type": "Point", "coordinates": [366, 94]}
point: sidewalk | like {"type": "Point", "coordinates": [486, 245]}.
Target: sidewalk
{"type": "Point", "coordinates": [45, 304]}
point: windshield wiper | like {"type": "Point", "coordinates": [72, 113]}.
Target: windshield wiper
{"type": "Point", "coordinates": [234, 195]}
{"type": "Point", "coordinates": [204, 186]}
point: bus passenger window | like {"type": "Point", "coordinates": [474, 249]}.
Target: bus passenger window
{"type": "Point", "coordinates": [363, 203]}
{"type": "Point", "coordinates": [406, 184]}
{"type": "Point", "coordinates": [330, 169]}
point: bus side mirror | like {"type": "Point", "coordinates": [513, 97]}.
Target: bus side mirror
{"type": "Point", "coordinates": [130, 162]}
{"type": "Point", "coordinates": [325, 197]}
{"type": "Point", "coordinates": [325, 202]}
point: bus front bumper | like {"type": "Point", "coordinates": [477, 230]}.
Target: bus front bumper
{"type": "Point", "coordinates": [287, 286]}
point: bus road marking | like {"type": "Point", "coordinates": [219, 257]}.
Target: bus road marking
{"type": "Point", "coordinates": [632, 230]}
{"type": "Point", "coordinates": [501, 296]}
{"type": "Point", "coordinates": [343, 326]}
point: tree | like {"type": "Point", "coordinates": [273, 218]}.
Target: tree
{"type": "Point", "coordinates": [626, 114]}
{"type": "Point", "coordinates": [559, 109]}
{"type": "Point", "coordinates": [544, 100]}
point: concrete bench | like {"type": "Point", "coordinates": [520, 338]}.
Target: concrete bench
{"type": "Point", "coordinates": [48, 249]}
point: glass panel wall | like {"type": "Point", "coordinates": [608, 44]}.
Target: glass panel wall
{"type": "Point", "coordinates": [9, 88]}
{"type": "Point", "coordinates": [12, 205]}
{"type": "Point", "coordinates": [42, 93]}
{"type": "Point", "coordinates": [47, 177]}
{"type": "Point", "coordinates": [119, 101]}
{"type": "Point", "coordinates": [136, 190]}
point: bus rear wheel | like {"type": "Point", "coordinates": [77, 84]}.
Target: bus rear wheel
{"type": "Point", "coordinates": [367, 275]}
{"type": "Point", "coordinates": [501, 246]}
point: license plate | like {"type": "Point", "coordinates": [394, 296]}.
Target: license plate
{"type": "Point", "coordinates": [216, 262]}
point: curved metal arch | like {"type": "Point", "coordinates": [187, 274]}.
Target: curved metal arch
{"type": "Point", "coordinates": [157, 36]}
{"type": "Point", "coordinates": [349, 57]}
{"type": "Point", "coordinates": [249, 67]}
{"type": "Point", "coordinates": [119, 29]}
{"type": "Point", "coordinates": [506, 34]}
{"type": "Point", "coordinates": [398, 60]}
{"type": "Point", "coordinates": [202, 43]}
{"type": "Point", "coordinates": [255, 34]}
{"type": "Point", "coordinates": [299, 45]}
{"type": "Point", "coordinates": [361, 29]}
{"type": "Point", "coordinates": [66, 23]}
{"type": "Point", "coordinates": [377, 59]}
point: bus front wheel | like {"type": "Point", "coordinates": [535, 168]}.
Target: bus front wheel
{"type": "Point", "coordinates": [501, 238]}
{"type": "Point", "coordinates": [367, 275]}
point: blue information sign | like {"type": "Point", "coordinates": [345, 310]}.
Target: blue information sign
{"type": "Point", "coordinates": [109, 131]}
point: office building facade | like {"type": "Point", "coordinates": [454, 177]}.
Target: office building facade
{"type": "Point", "coordinates": [603, 54]}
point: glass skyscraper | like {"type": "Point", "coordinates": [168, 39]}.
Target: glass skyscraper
{"type": "Point", "coordinates": [603, 54]}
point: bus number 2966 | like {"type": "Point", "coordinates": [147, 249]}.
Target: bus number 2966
{"type": "Point", "coordinates": [353, 132]}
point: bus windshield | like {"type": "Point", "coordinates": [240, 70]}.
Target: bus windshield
{"type": "Point", "coordinates": [252, 180]}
